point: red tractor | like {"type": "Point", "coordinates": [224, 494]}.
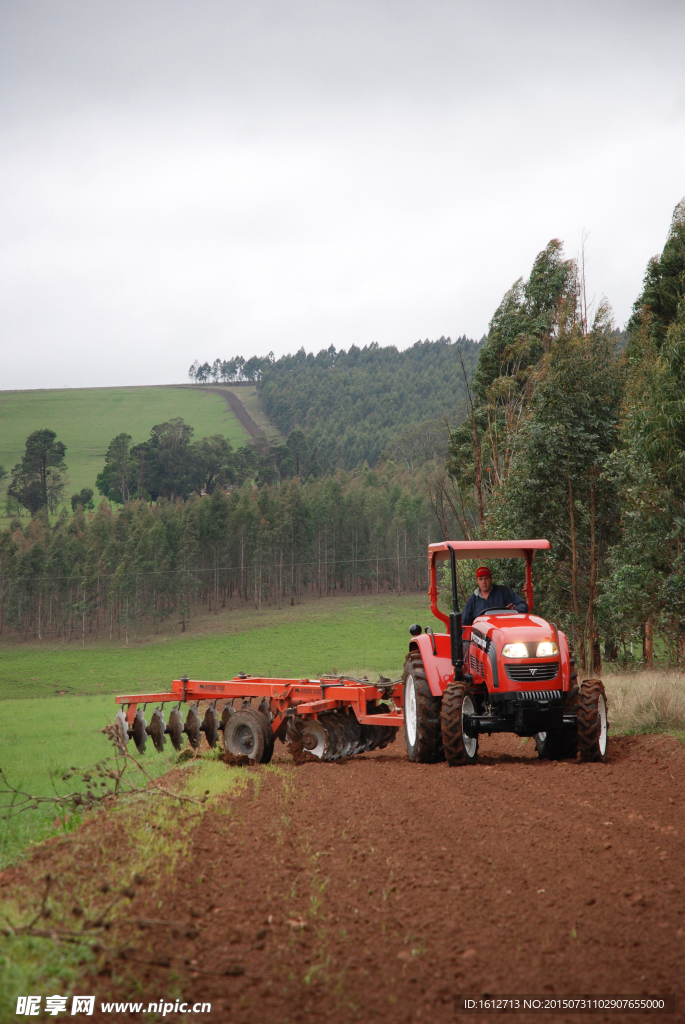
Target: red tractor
{"type": "Point", "coordinates": [508, 672]}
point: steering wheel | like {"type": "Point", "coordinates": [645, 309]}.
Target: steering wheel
{"type": "Point", "coordinates": [499, 608]}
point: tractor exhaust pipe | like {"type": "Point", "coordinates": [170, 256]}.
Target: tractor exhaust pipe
{"type": "Point", "coordinates": [456, 641]}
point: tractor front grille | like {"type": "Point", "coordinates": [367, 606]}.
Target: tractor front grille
{"type": "Point", "coordinates": [536, 695]}
{"type": "Point", "coordinates": [541, 672]}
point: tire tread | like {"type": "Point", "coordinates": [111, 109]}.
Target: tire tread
{"type": "Point", "coordinates": [429, 747]}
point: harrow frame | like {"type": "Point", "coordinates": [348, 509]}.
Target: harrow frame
{"type": "Point", "coordinates": [307, 698]}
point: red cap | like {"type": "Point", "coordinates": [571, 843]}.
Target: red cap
{"type": "Point", "coordinates": [483, 571]}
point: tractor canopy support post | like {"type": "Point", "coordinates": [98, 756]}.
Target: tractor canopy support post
{"type": "Point", "coordinates": [528, 589]}
{"type": "Point", "coordinates": [433, 593]}
{"type": "Point", "coordinates": [456, 640]}
{"type": "Point", "coordinates": [453, 567]}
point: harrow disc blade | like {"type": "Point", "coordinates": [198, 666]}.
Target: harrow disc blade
{"type": "Point", "coordinates": [348, 735]}
{"type": "Point", "coordinates": [175, 729]}
{"type": "Point", "coordinates": [192, 727]}
{"type": "Point", "coordinates": [156, 729]}
{"type": "Point", "coordinates": [210, 726]}
{"type": "Point", "coordinates": [139, 731]}
{"type": "Point", "coordinates": [122, 731]}
{"type": "Point", "coordinates": [244, 735]}
{"type": "Point", "coordinates": [314, 738]}
{"type": "Point", "coordinates": [226, 715]}
{"type": "Point", "coordinates": [373, 735]}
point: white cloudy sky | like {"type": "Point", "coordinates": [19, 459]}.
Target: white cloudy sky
{"type": "Point", "coordinates": [189, 179]}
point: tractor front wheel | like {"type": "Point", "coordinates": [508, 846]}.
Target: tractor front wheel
{"type": "Point", "coordinates": [460, 748]}
{"type": "Point", "coordinates": [421, 714]}
{"type": "Point", "coordinates": [592, 720]}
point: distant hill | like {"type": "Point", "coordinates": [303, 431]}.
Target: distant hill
{"type": "Point", "coordinates": [86, 420]}
{"type": "Point", "coordinates": [353, 404]}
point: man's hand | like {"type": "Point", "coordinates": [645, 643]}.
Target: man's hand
{"type": "Point", "coordinates": [512, 606]}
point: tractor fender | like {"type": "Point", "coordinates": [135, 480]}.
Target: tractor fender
{"type": "Point", "coordinates": [438, 667]}
{"type": "Point", "coordinates": [565, 660]}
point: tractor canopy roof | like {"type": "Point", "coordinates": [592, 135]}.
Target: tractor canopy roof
{"type": "Point", "coordinates": [487, 549]}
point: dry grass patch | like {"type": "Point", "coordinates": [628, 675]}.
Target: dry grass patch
{"type": "Point", "coordinates": [649, 701]}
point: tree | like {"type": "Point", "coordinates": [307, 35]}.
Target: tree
{"type": "Point", "coordinates": [646, 592]}
{"type": "Point", "coordinates": [558, 485]}
{"type": "Point", "coordinates": [664, 285]}
{"type": "Point", "coordinates": [524, 327]}
{"type": "Point", "coordinates": [116, 479]}
{"type": "Point", "coordinates": [36, 480]}
{"type": "Point", "coordinates": [84, 499]}
{"type": "Point", "coordinates": [213, 455]}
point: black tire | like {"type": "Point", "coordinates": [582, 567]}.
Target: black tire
{"type": "Point", "coordinates": [457, 701]}
{"type": "Point", "coordinates": [268, 737]}
{"type": "Point", "coordinates": [556, 746]}
{"type": "Point", "coordinates": [422, 725]}
{"type": "Point", "coordinates": [245, 736]}
{"type": "Point", "coordinates": [593, 724]}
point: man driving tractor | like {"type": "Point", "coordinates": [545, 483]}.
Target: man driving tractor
{"type": "Point", "coordinates": [489, 596]}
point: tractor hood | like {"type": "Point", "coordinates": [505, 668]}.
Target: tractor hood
{"type": "Point", "coordinates": [510, 628]}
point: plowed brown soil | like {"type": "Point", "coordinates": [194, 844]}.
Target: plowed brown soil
{"type": "Point", "coordinates": [379, 890]}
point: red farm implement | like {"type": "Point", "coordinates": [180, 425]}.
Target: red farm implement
{"type": "Point", "coordinates": [328, 717]}
{"type": "Point", "coordinates": [509, 671]}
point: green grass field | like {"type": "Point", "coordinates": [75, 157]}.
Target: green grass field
{"type": "Point", "coordinates": [41, 733]}
{"type": "Point", "coordinates": [86, 420]}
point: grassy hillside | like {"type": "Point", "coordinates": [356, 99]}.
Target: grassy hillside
{"type": "Point", "coordinates": [86, 420]}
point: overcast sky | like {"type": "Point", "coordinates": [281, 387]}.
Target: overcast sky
{"type": "Point", "coordinates": [189, 179]}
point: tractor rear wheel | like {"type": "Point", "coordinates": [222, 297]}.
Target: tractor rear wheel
{"type": "Point", "coordinates": [460, 748]}
{"type": "Point", "coordinates": [557, 745]}
{"type": "Point", "coordinates": [562, 745]}
{"type": "Point", "coordinates": [421, 714]}
{"type": "Point", "coordinates": [592, 720]}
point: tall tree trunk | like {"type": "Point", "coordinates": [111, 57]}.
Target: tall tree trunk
{"type": "Point", "coordinates": [648, 647]}
{"type": "Point", "coordinates": [579, 641]}
{"type": "Point", "coordinates": [592, 639]}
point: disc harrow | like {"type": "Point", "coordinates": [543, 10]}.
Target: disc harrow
{"type": "Point", "coordinates": [322, 719]}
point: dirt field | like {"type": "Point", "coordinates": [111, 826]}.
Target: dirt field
{"type": "Point", "coordinates": [378, 890]}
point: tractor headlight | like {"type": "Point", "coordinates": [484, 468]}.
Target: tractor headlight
{"type": "Point", "coordinates": [515, 651]}
{"type": "Point", "coordinates": [547, 649]}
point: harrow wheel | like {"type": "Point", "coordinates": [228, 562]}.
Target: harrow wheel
{"type": "Point", "coordinates": [422, 730]}
{"type": "Point", "coordinates": [139, 731]}
{"type": "Point", "coordinates": [459, 747]}
{"type": "Point", "coordinates": [192, 727]}
{"type": "Point", "coordinates": [592, 720]}
{"type": "Point", "coordinates": [174, 729]}
{"type": "Point", "coordinates": [210, 726]}
{"type": "Point", "coordinates": [156, 729]}
{"type": "Point", "coordinates": [245, 735]}
{"type": "Point", "coordinates": [263, 713]}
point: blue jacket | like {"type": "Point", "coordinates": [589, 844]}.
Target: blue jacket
{"type": "Point", "coordinates": [499, 597]}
